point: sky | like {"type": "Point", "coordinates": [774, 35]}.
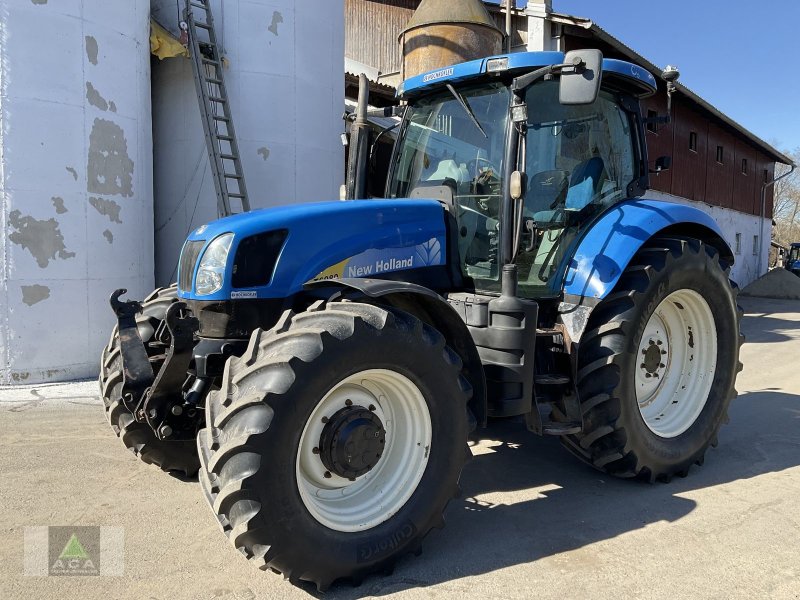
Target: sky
{"type": "Point", "coordinates": [742, 57]}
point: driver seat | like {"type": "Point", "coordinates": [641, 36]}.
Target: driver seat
{"type": "Point", "coordinates": [585, 183]}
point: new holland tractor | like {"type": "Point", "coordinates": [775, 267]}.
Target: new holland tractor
{"type": "Point", "coordinates": [322, 365]}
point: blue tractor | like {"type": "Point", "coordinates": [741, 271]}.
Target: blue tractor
{"type": "Point", "coordinates": [322, 365]}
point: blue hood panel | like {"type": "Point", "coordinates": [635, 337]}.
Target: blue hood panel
{"type": "Point", "coordinates": [357, 238]}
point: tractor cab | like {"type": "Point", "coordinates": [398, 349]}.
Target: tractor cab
{"type": "Point", "coordinates": [469, 130]}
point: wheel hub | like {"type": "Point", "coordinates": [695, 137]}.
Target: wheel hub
{"type": "Point", "coordinates": [352, 442]}
{"type": "Point", "coordinates": [653, 358]}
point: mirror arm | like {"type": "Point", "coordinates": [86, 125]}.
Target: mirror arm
{"type": "Point", "coordinates": [523, 82]}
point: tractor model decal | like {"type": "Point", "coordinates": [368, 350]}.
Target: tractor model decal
{"type": "Point", "coordinates": [374, 262]}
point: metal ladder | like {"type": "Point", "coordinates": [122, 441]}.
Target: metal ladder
{"type": "Point", "coordinates": [223, 150]}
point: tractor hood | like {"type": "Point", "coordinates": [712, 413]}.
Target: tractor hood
{"type": "Point", "coordinates": [314, 241]}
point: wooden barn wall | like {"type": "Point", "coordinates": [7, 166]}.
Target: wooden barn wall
{"type": "Point", "coordinates": [371, 30]}
{"type": "Point", "coordinates": [697, 174]}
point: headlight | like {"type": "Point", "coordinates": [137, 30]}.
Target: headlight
{"type": "Point", "coordinates": [211, 272]}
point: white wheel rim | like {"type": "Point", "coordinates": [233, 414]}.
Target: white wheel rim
{"type": "Point", "coordinates": [374, 497]}
{"type": "Point", "coordinates": [675, 363]}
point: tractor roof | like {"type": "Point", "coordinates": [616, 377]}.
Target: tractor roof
{"type": "Point", "coordinates": [636, 79]}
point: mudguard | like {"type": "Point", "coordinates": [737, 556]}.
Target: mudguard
{"type": "Point", "coordinates": [608, 246]}
{"type": "Point", "coordinates": [605, 250]}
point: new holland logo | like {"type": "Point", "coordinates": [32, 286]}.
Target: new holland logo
{"type": "Point", "coordinates": [437, 75]}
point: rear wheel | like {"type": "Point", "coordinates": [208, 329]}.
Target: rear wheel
{"type": "Point", "coordinates": [335, 442]}
{"type": "Point", "coordinates": [658, 363]}
{"type": "Point", "coordinates": [138, 437]}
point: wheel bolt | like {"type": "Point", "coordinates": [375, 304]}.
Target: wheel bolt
{"type": "Point", "coordinates": [648, 375]}
{"type": "Point", "coordinates": [644, 351]}
{"type": "Point", "coordinates": [327, 474]}
{"type": "Point", "coordinates": [655, 374]}
{"type": "Point", "coordinates": [324, 419]}
{"type": "Point", "coordinates": [177, 410]}
{"type": "Point", "coordinates": [371, 407]}
{"type": "Point", "coordinates": [652, 342]}
{"type": "Point", "coordinates": [348, 402]}
{"type": "Point", "coordinates": [644, 366]}
{"type": "Point", "coordinates": [659, 342]}
{"type": "Point", "coordinates": [165, 431]}
{"type": "Point", "coordinates": [315, 450]}
{"type": "Point", "coordinates": [661, 365]}
{"type": "Point", "coordinates": [152, 413]}
{"type": "Point", "coordinates": [663, 352]}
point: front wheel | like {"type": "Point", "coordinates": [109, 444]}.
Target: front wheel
{"type": "Point", "coordinates": [658, 363]}
{"type": "Point", "coordinates": [336, 441]}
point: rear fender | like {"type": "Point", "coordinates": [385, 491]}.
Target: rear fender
{"type": "Point", "coordinates": [606, 249]}
{"type": "Point", "coordinates": [433, 309]}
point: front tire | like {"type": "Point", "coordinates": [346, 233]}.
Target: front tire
{"type": "Point", "coordinates": [335, 441]}
{"type": "Point", "coordinates": [658, 363]}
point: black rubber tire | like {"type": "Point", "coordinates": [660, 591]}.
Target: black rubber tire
{"type": "Point", "coordinates": [615, 438]}
{"type": "Point", "coordinates": [139, 438]}
{"type": "Point", "coordinates": [254, 423]}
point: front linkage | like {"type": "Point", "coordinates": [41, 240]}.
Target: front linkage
{"type": "Point", "coordinates": [150, 396]}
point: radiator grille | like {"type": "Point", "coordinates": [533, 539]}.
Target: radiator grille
{"type": "Point", "coordinates": [189, 255]}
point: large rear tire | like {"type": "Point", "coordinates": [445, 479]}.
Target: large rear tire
{"type": "Point", "coordinates": [658, 363]}
{"type": "Point", "coordinates": [139, 438]}
{"type": "Point", "coordinates": [335, 441]}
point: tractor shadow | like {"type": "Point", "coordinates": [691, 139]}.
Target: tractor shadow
{"type": "Point", "coordinates": [765, 319]}
{"type": "Point", "coordinates": [526, 498]}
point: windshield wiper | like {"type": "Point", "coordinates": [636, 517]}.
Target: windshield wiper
{"type": "Point", "coordinates": [466, 108]}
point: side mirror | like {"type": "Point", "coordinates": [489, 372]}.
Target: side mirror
{"type": "Point", "coordinates": [663, 163]}
{"type": "Point", "coordinates": [580, 83]}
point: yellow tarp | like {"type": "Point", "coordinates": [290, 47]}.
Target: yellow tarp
{"type": "Point", "coordinates": [163, 44]}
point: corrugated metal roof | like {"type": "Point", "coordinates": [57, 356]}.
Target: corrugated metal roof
{"type": "Point", "coordinates": [606, 37]}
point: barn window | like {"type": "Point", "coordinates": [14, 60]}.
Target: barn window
{"type": "Point", "coordinates": [744, 166]}
{"type": "Point", "coordinates": [693, 141]}
{"type": "Point", "coordinates": [738, 243]}
{"type": "Point", "coordinates": [755, 245]}
{"type": "Point", "coordinates": [651, 121]}
{"type": "Point", "coordinates": [720, 155]}
{"type": "Point", "coordinates": [766, 175]}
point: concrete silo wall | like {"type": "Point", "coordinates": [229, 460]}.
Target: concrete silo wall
{"type": "Point", "coordinates": [284, 74]}
{"type": "Point", "coordinates": [75, 179]}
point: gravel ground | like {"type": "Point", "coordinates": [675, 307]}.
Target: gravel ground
{"type": "Point", "coordinates": [532, 521]}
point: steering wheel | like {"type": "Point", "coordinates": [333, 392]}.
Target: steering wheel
{"type": "Point", "coordinates": [490, 176]}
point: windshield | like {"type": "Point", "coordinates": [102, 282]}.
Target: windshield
{"type": "Point", "coordinates": [579, 160]}
{"type": "Point", "coordinates": [443, 146]}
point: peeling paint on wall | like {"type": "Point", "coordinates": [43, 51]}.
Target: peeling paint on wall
{"type": "Point", "coordinates": [43, 239]}
{"type": "Point", "coordinates": [108, 208]}
{"type": "Point", "coordinates": [94, 97]}
{"type": "Point", "coordinates": [109, 236]}
{"type": "Point", "coordinates": [264, 152]}
{"type": "Point", "coordinates": [58, 204]}
{"type": "Point", "coordinates": [72, 172]}
{"type": "Point", "coordinates": [91, 49]}
{"type": "Point", "coordinates": [277, 18]}
{"type": "Point", "coordinates": [109, 169]}
{"type": "Point", "coordinates": [31, 294]}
